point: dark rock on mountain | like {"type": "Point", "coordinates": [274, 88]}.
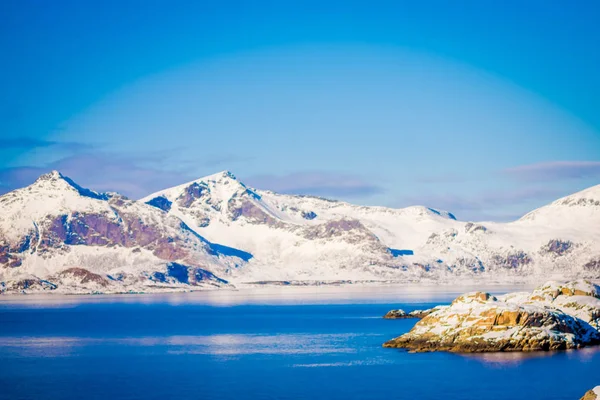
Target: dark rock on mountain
{"type": "Point", "coordinates": [160, 202]}
{"type": "Point", "coordinates": [558, 247]}
{"type": "Point", "coordinates": [191, 193]}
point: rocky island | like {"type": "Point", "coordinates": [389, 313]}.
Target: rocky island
{"type": "Point", "coordinates": [555, 316]}
{"type": "Point", "coordinates": [401, 314]}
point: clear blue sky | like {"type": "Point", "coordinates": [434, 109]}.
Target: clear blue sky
{"type": "Point", "coordinates": [486, 109]}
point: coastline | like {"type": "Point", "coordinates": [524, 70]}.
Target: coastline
{"type": "Point", "coordinates": [322, 294]}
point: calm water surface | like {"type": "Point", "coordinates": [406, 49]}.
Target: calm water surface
{"type": "Point", "coordinates": [259, 345]}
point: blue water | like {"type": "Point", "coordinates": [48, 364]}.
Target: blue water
{"type": "Point", "coordinates": [121, 348]}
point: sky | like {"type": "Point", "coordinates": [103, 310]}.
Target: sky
{"type": "Point", "coordinates": [484, 109]}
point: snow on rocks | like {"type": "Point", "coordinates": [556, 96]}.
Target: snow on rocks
{"type": "Point", "coordinates": [401, 314]}
{"type": "Point", "coordinates": [396, 314]}
{"type": "Point", "coordinates": [555, 316]}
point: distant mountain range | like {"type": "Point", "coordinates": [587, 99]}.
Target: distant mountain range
{"type": "Point", "coordinates": [217, 232]}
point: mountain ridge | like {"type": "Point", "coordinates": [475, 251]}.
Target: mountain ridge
{"type": "Point", "coordinates": [216, 231]}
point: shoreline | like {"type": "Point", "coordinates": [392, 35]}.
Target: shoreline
{"type": "Point", "coordinates": [323, 294]}
{"type": "Point", "coordinates": [283, 286]}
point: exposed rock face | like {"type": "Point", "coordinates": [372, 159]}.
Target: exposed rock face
{"type": "Point", "coordinates": [83, 277]}
{"type": "Point", "coordinates": [593, 265]}
{"type": "Point", "coordinates": [558, 247]}
{"type": "Point", "coordinates": [472, 228]}
{"type": "Point", "coordinates": [192, 276]}
{"type": "Point", "coordinates": [190, 194]}
{"type": "Point", "coordinates": [349, 230]}
{"type": "Point", "coordinates": [27, 284]}
{"type": "Point", "coordinates": [512, 260]}
{"type": "Point", "coordinates": [127, 230]}
{"type": "Point", "coordinates": [309, 215]}
{"type": "Point", "coordinates": [554, 317]}
{"type": "Point", "coordinates": [160, 202]}
{"type": "Point", "coordinates": [592, 394]}
{"type": "Point", "coordinates": [243, 207]}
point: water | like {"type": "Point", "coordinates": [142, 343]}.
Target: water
{"type": "Point", "coordinates": [259, 345]}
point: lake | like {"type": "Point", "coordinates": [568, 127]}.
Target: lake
{"type": "Point", "coordinates": [288, 343]}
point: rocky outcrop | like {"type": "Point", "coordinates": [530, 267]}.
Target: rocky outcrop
{"type": "Point", "coordinates": [82, 278]}
{"type": "Point", "coordinates": [349, 230]}
{"type": "Point", "coordinates": [553, 317]}
{"type": "Point", "coordinates": [592, 394]}
{"type": "Point", "coordinates": [244, 207]}
{"type": "Point", "coordinates": [396, 314]}
{"type": "Point", "coordinates": [309, 215]}
{"type": "Point", "coordinates": [592, 265]}
{"type": "Point", "coordinates": [401, 314]}
{"type": "Point", "coordinates": [191, 193]}
{"type": "Point", "coordinates": [160, 202]}
{"type": "Point", "coordinates": [423, 313]}
{"type": "Point", "coordinates": [472, 228]}
{"type": "Point", "coordinates": [24, 285]}
{"type": "Point", "coordinates": [512, 260]}
{"type": "Point", "coordinates": [558, 247]}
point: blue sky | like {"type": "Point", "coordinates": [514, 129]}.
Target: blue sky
{"type": "Point", "coordinates": [485, 109]}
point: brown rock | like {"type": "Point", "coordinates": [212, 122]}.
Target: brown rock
{"type": "Point", "coordinates": [479, 322]}
{"type": "Point", "coordinates": [396, 314]}
{"type": "Point", "coordinates": [84, 276]}
{"type": "Point", "coordinates": [591, 394]}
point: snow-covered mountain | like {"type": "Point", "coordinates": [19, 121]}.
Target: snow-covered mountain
{"type": "Point", "coordinates": [56, 234]}
{"type": "Point", "coordinates": [309, 238]}
{"type": "Point", "coordinates": [216, 230]}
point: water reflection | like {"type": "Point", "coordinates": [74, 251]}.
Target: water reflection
{"type": "Point", "coordinates": [507, 359]}
{"type": "Point", "coordinates": [227, 344]}
{"type": "Point", "coordinates": [353, 363]}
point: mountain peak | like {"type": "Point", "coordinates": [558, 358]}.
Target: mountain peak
{"type": "Point", "coordinates": [54, 180]}
{"type": "Point", "coordinates": [586, 197]}
{"type": "Point", "coordinates": [566, 208]}
{"type": "Point", "coordinates": [225, 174]}
{"type": "Point", "coordinates": [225, 183]}
{"type": "Point", "coordinates": [53, 175]}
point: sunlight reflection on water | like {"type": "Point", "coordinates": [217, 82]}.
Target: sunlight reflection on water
{"type": "Point", "coordinates": [228, 344]}
{"type": "Point", "coordinates": [502, 359]}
